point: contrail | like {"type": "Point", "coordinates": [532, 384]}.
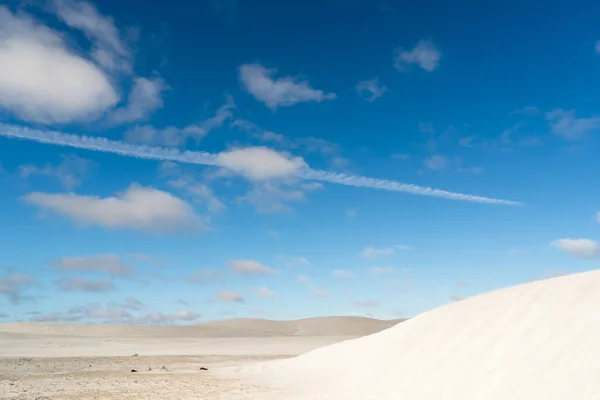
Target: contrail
{"type": "Point", "coordinates": [204, 158]}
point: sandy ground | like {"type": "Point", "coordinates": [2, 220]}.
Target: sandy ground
{"type": "Point", "coordinates": [157, 377]}
{"type": "Point", "coordinates": [43, 368]}
{"type": "Point", "coordinates": [70, 361]}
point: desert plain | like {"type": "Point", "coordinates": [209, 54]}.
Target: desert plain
{"type": "Point", "coordinates": [45, 361]}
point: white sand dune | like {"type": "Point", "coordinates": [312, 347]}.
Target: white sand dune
{"type": "Point", "coordinates": [538, 341]}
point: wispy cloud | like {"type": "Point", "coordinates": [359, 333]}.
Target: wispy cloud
{"type": "Point", "coordinates": [109, 50]}
{"type": "Point", "coordinates": [425, 54]}
{"type": "Point", "coordinates": [145, 98]}
{"type": "Point", "coordinates": [371, 90]}
{"type": "Point", "coordinates": [14, 284]}
{"type": "Point", "coordinates": [249, 267]}
{"type": "Point", "coordinates": [109, 263]}
{"type": "Point", "coordinates": [259, 81]}
{"type": "Point", "coordinates": [172, 136]}
{"type": "Point", "coordinates": [331, 152]}
{"type": "Point", "coordinates": [273, 197]}
{"type": "Point", "coordinates": [203, 158]}
{"type": "Point", "coordinates": [564, 123]}
{"type": "Point", "coordinates": [340, 273]}
{"type": "Point", "coordinates": [85, 285]}
{"type": "Point", "coordinates": [230, 296]}
{"type": "Point", "coordinates": [376, 252]}
{"type": "Point", "coordinates": [116, 313]}
{"type": "Point", "coordinates": [436, 162]}
{"type": "Point", "coordinates": [69, 172]}
{"type": "Point", "coordinates": [186, 182]}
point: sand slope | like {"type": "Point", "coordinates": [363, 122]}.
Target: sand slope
{"type": "Point", "coordinates": [539, 341]}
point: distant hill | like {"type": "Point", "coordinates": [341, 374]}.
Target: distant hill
{"type": "Point", "coordinates": [237, 327]}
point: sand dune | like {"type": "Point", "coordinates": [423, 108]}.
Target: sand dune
{"type": "Point", "coordinates": [529, 342]}
{"type": "Point", "coordinates": [230, 328]}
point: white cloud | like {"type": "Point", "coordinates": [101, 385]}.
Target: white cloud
{"type": "Point", "coordinates": [70, 172]}
{"type": "Point", "coordinates": [13, 284]}
{"type": "Point", "coordinates": [204, 158]}
{"type": "Point", "coordinates": [583, 248]}
{"type": "Point", "coordinates": [376, 252]}
{"type": "Point", "coordinates": [139, 207]}
{"type": "Point", "coordinates": [367, 303]}
{"type": "Point", "coordinates": [173, 136]}
{"type": "Point", "coordinates": [260, 163]}
{"type": "Point", "coordinates": [230, 296]}
{"type": "Point", "coordinates": [597, 46]}
{"type": "Point", "coordinates": [42, 80]}
{"type": "Point", "coordinates": [281, 92]}
{"type": "Point", "coordinates": [382, 270]}
{"type": "Point", "coordinates": [109, 263]}
{"type": "Point", "coordinates": [85, 285]}
{"type": "Point", "coordinates": [425, 54]}
{"type": "Point", "coordinates": [565, 124]}
{"type": "Point", "coordinates": [436, 162]}
{"type": "Point", "coordinates": [265, 292]}
{"type": "Point", "coordinates": [144, 99]}
{"type": "Point", "coordinates": [371, 88]}
{"type": "Point", "coordinates": [109, 51]}
{"type": "Point", "coordinates": [340, 273]}
{"type": "Point", "coordinates": [249, 267]}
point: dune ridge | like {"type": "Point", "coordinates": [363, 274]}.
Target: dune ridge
{"type": "Point", "coordinates": [534, 341]}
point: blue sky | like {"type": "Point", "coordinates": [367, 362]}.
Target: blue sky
{"type": "Point", "coordinates": [291, 159]}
